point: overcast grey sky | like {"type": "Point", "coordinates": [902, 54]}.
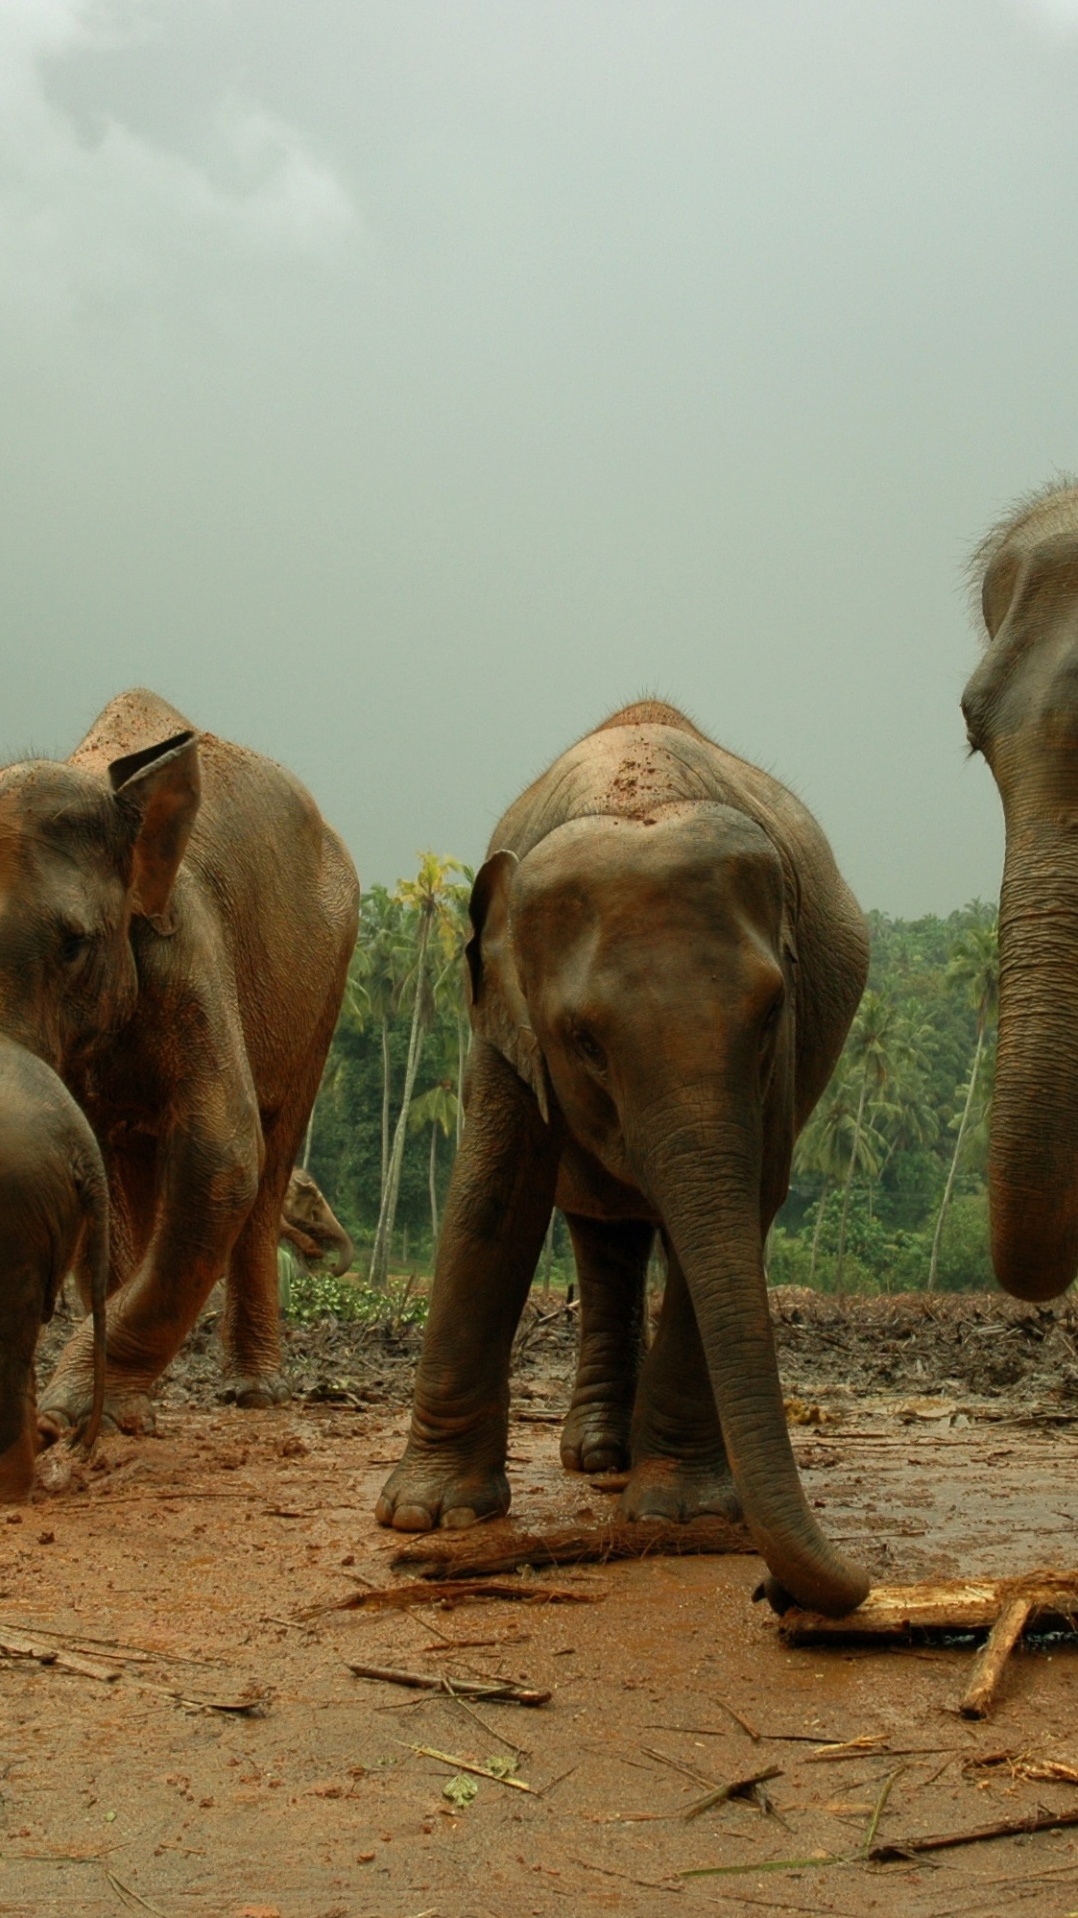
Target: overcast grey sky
{"type": "Point", "coordinates": [399, 387]}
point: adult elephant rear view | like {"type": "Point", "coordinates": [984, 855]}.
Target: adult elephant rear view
{"type": "Point", "coordinates": [664, 965]}
{"type": "Point", "coordinates": [1021, 711]}
{"type": "Point", "coordinates": [176, 921]}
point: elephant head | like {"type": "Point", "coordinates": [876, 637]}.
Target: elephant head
{"type": "Point", "coordinates": [308, 1221]}
{"type": "Point", "coordinates": [640, 974]}
{"type": "Point", "coordinates": [1021, 712]}
{"type": "Point", "coordinates": [80, 858]}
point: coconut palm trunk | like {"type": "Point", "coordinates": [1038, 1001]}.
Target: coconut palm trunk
{"type": "Point", "coordinates": [383, 1237]}
{"type": "Point", "coordinates": [855, 1149]}
{"type": "Point", "coordinates": [937, 1236]}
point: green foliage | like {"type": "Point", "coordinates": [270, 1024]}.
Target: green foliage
{"type": "Point", "coordinates": [316, 1296]}
{"type": "Point", "coordinates": [906, 1069]}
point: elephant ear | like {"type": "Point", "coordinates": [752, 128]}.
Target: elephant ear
{"type": "Point", "coordinates": [158, 792]}
{"type": "Point", "coordinates": [499, 1008]}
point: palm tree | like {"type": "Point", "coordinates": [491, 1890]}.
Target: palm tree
{"type": "Point", "coordinates": [426, 903]}
{"type": "Point", "coordinates": [974, 969]}
{"type": "Point", "coordinates": [869, 1050]}
{"type": "Point", "coordinates": [375, 982]}
{"type": "Point", "coordinates": [838, 1134]}
{"type": "Point", "coordinates": [436, 1108]}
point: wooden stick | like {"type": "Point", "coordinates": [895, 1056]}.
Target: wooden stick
{"type": "Point", "coordinates": [492, 1690]}
{"type": "Point", "coordinates": [19, 1645]}
{"type": "Point", "coordinates": [1007, 1828]}
{"type": "Point", "coordinates": [479, 1771]}
{"type": "Point", "coordinates": [738, 1788]}
{"type": "Point", "coordinates": [434, 1557]}
{"type": "Point", "coordinates": [382, 1598]}
{"type": "Point", "coordinates": [1002, 1639]}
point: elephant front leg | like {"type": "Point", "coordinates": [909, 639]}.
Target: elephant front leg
{"type": "Point", "coordinates": [209, 1186]}
{"type": "Point", "coordinates": [497, 1211]}
{"type": "Point", "coordinates": [611, 1263]}
{"type": "Point", "coordinates": [679, 1464]}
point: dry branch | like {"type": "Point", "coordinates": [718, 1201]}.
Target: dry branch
{"type": "Point", "coordinates": [493, 1690]}
{"type": "Point", "coordinates": [21, 1645]}
{"type": "Point", "coordinates": [1006, 1828]}
{"type": "Point", "coordinates": [571, 1545]}
{"type": "Point", "coordinates": [1002, 1639]}
{"type": "Point", "coordinates": [449, 1592]}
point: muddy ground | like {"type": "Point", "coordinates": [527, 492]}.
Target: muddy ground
{"type": "Point", "coordinates": [219, 1757]}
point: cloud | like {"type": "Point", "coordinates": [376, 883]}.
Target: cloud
{"type": "Point", "coordinates": [110, 213]}
{"type": "Point", "coordinates": [1060, 16]}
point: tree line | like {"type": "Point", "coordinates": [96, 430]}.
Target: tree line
{"type": "Point", "coordinates": [888, 1185]}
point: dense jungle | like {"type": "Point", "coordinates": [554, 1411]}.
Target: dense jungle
{"type": "Point", "coordinates": [888, 1187]}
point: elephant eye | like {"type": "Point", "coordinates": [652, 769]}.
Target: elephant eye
{"type": "Point", "coordinates": [771, 1018]}
{"type": "Point", "coordinates": [73, 945]}
{"type": "Point", "coordinates": [589, 1049]}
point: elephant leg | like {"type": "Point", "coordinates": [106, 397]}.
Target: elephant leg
{"type": "Point", "coordinates": [251, 1322]}
{"type": "Point", "coordinates": [611, 1263]}
{"type": "Point", "coordinates": [679, 1463]}
{"type": "Point", "coordinates": [497, 1211]}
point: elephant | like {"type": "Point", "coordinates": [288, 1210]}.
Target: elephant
{"type": "Point", "coordinates": [176, 921]}
{"type": "Point", "coordinates": [53, 1215]}
{"type": "Point", "coordinates": [663, 966]}
{"type": "Point", "coordinates": [1021, 713]}
{"type": "Point", "coordinates": [310, 1225]}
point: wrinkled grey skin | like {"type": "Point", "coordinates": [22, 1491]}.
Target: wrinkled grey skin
{"type": "Point", "coordinates": [664, 966]}
{"type": "Point", "coordinates": [309, 1223]}
{"type": "Point", "coordinates": [53, 1216]}
{"type": "Point", "coordinates": [1021, 711]}
{"type": "Point", "coordinates": [176, 921]}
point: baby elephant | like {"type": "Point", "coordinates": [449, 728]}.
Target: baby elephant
{"type": "Point", "coordinates": [53, 1217]}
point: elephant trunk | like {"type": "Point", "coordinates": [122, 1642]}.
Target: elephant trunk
{"type": "Point", "coordinates": [1033, 1160]}
{"type": "Point", "coordinates": [706, 1184]}
{"type": "Point", "coordinates": [344, 1254]}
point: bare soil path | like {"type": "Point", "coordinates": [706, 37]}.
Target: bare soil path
{"type": "Point", "coordinates": [183, 1563]}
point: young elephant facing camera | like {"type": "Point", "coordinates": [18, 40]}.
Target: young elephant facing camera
{"type": "Point", "coordinates": [53, 1218]}
{"type": "Point", "coordinates": [664, 966]}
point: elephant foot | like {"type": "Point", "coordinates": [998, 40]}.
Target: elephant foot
{"type": "Point", "coordinates": [595, 1438]}
{"type": "Point", "coordinates": [436, 1485]}
{"type": "Point", "coordinates": [256, 1391]}
{"type": "Point", "coordinates": [65, 1407]}
{"type": "Point", "coordinates": [671, 1489]}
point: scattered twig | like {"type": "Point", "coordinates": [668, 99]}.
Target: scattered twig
{"type": "Point", "coordinates": [21, 1645]}
{"type": "Point", "coordinates": [493, 1690]}
{"type": "Point", "coordinates": [862, 1747]}
{"type": "Point", "coordinates": [737, 1788]}
{"type": "Point", "coordinates": [466, 1764]}
{"type": "Point", "coordinates": [125, 1891]}
{"type": "Point", "coordinates": [1006, 1828]}
{"type": "Point", "coordinates": [687, 1771]}
{"type": "Point", "coordinates": [522, 1751]}
{"type": "Point", "coordinates": [877, 1810]}
{"type": "Point", "coordinates": [450, 1592]}
{"type": "Point", "coordinates": [570, 1545]}
{"type": "Point", "coordinates": [1024, 1765]}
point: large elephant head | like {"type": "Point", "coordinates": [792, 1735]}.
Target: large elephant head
{"type": "Point", "coordinates": [640, 974]}
{"type": "Point", "coordinates": [79, 858]}
{"type": "Point", "coordinates": [1021, 711]}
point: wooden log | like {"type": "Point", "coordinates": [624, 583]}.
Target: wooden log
{"type": "Point", "coordinates": [1002, 1639]}
{"type": "Point", "coordinates": [957, 1605]}
{"type": "Point", "coordinates": [504, 1550]}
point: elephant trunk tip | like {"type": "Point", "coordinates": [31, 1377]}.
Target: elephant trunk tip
{"type": "Point", "coordinates": [1034, 1259]}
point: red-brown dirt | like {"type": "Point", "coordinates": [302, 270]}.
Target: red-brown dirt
{"type": "Point", "coordinates": [183, 1561]}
